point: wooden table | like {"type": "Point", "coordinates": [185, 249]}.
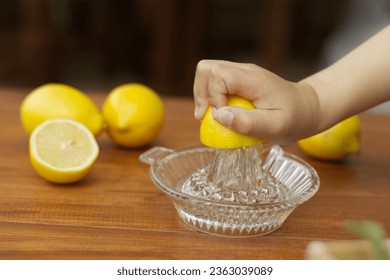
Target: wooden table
{"type": "Point", "coordinates": [117, 213]}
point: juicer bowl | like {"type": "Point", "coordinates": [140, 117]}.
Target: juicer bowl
{"type": "Point", "coordinates": [170, 169]}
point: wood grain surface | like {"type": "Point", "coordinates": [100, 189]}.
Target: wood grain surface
{"type": "Point", "coordinates": [117, 213]}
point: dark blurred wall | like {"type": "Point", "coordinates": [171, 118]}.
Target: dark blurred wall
{"type": "Point", "coordinates": [102, 43]}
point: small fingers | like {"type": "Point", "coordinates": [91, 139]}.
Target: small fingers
{"type": "Point", "coordinates": [201, 84]}
{"type": "Point", "coordinates": [214, 80]}
{"type": "Point", "coordinates": [217, 88]}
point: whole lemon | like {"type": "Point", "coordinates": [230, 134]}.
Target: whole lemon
{"type": "Point", "coordinates": [134, 114]}
{"type": "Point", "coordinates": [336, 143]}
{"type": "Point", "coordinates": [215, 135]}
{"type": "Point", "coordinates": [59, 101]}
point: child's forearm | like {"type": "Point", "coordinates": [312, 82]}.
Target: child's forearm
{"type": "Point", "coordinates": [356, 82]}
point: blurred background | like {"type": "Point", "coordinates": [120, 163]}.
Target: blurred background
{"type": "Point", "coordinates": [99, 44]}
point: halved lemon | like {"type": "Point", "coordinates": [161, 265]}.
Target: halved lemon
{"type": "Point", "coordinates": [215, 135]}
{"type": "Point", "coordinates": [62, 150]}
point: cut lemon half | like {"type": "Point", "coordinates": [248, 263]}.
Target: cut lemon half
{"type": "Point", "coordinates": [215, 135]}
{"type": "Point", "coordinates": [62, 150]}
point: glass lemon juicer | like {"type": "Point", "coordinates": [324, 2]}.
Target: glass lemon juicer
{"type": "Point", "coordinates": [241, 192]}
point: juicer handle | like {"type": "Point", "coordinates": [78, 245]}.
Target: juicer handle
{"type": "Point", "coordinates": [152, 154]}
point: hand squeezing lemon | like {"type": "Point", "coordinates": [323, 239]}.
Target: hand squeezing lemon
{"type": "Point", "coordinates": [215, 135]}
{"type": "Point", "coordinates": [336, 143]}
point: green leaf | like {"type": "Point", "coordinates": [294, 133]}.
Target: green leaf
{"type": "Point", "coordinates": [372, 232]}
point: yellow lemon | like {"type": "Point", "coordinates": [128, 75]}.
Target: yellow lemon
{"type": "Point", "coordinates": [215, 135]}
{"type": "Point", "coordinates": [62, 150]}
{"type": "Point", "coordinates": [134, 114]}
{"type": "Point", "coordinates": [59, 101]}
{"type": "Point", "coordinates": [335, 143]}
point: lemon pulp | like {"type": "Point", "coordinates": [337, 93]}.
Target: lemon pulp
{"type": "Point", "coordinates": [62, 150]}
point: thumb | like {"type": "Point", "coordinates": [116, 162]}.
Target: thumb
{"type": "Point", "coordinates": [236, 118]}
{"type": "Point", "coordinates": [254, 122]}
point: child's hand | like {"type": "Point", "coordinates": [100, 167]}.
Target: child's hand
{"type": "Point", "coordinates": [285, 111]}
